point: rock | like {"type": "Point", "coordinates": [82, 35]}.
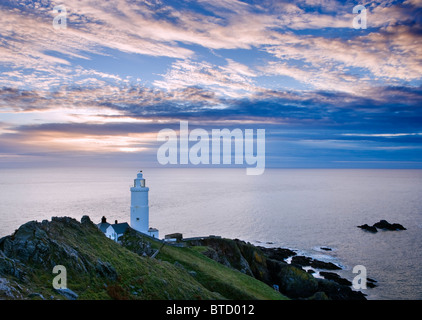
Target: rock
{"type": "Point", "coordinates": [234, 254]}
{"type": "Point", "coordinates": [86, 220]}
{"type": "Point", "coordinates": [179, 265]}
{"type": "Point", "coordinates": [319, 296]}
{"type": "Point", "coordinates": [137, 243]}
{"type": "Point", "coordinates": [326, 249]}
{"type": "Point", "coordinates": [370, 283]}
{"type": "Point", "coordinates": [335, 277]}
{"type": "Point", "coordinates": [324, 265]}
{"type": "Point", "coordinates": [25, 231]}
{"type": "Point", "coordinates": [279, 254]}
{"type": "Point", "coordinates": [105, 269]}
{"type": "Point", "coordinates": [303, 261]}
{"type": "Point", "coordinates": [36, 295]}
{"type": "Point", "coordinates": [69, 294]}
{"type": "Point", "coordinates": [336, 291]}
{"type": "Point", "coordinates": [384, 224]}
{"type": "Point", "coordinates": [368, 228]}
{"type": "Point", "coordinates": [7, 290]}
{"type": "Point", "coordinates": [12, 267]}
{"type": "Point", "coordinates": [292, 281]}
{"type": "Point", "coordinates": [267, 265]}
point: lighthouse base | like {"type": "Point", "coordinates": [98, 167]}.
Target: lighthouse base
{"type": "Point", "coordinates": [152, 232]}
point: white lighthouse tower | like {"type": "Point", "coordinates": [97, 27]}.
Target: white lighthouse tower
{"type": "Point", "coordinates": [139, 208]}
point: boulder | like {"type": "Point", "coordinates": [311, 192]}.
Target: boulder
{"type": "Point", "coordinates": [307, 261]}
{"type": "Point", "coordinates": [292, 281]}
{"type": "Point", "coordinates": [368, 228]}
{"type": "Point", "coordinates": [301, 261]}
{"type": "Point", "coordinates": [324, 265]}
{"type": "Point", "coordinates": [8, 291]}
{"type": "Point", "coordinates": [384, 224]}
{"type": "Point", "coordinates": [86, 220]}
{"type": "Point", "coordinates": [106, 270]}
{"type": "Point", "coordinates": [370, 283]}
{"type": "Point", "coordinates": [336, 291]}
{"type": "Point", "coordinates": [69, 294]}
{"type": "Point", "coordinates": [36, 296]}
{"type": "Point", "coordinates": [279, 254]}
{"type": "Point", "coordinates": [335, 277]}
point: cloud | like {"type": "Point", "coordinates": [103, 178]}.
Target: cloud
{"type": "Point", "coordinates": [277, 64]}
{"type": "Point", "coordinates": [232, 80]}
{"type": "Point", "coordinates": [160, 29]}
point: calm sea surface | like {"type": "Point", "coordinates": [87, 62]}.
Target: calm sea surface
{"type": "Point", "coordinates": [298, 209]}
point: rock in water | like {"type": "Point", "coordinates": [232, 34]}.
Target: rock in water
{"type": "Point", "coordinates": [324, 265]}
{"type": "Point", "coordinates": [301, 261]}
{"type": "Point", "coordinates": [335, 277]}
{"type": "Point", "coordinates": [384, 224]}
{"type": "Point", "coordinates": [279, 254]}
{"type": "Point", "coordinates": [317, 264]}
{"type": "Point", "coordinates": [368, 228]}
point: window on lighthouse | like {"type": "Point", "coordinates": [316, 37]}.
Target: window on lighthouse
{"type": "Point", "coordinates": [143, 183]}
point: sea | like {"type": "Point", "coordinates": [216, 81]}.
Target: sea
{"type": "Point", "coordinates": [301, 209]}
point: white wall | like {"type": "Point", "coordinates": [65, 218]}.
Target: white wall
{"type": "Point", "coordinates": [110, 233]}
{"type": "Point", "coordinates": [139, 209]}
{"type": "Point", "coordinates": [153, 234]}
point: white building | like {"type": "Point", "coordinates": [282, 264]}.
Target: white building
{"type": "Point", "coordinates": [112, 231]}
{"type": "Point", "coordinates": [139, 207]}
{"type": "Point", "coordinates": [115, 231]}
{"type": "Point", "coordinates": [139, 213]}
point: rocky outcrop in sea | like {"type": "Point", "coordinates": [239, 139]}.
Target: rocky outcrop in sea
{"type": "Point", "coordinates": [269, 265]}
{"type": "Point", "coordinates": [383, 225]}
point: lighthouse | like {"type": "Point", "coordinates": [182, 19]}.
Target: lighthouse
{"type": "Point", "coordinates": [139, 207]}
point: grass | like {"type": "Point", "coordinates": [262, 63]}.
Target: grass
{"type": "Point", "coordinates": [214, 276]}
{"type": "Point", "coordinates": [138, 277]}
{"type": "Point", "coordinates": [79, 247]}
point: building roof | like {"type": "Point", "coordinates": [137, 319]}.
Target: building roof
{"type": "Point", "coordinates": [103, 226]}
{"type": "Point", "coordinates": [174, 236]}
{"type": "Point", "coordinates": [120, 228]}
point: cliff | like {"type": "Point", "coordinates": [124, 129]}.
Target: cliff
{"type": "Point", "coordinates": [99, 268]}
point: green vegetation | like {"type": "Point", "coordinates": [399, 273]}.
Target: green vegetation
{"type": "Point", "coordinates": [228, 282]}
{"type": "Point", "coordinates": [99, 268]}
{"type": "Point", "coordinates": [216, 277]}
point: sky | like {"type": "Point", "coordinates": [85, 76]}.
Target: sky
{"type": "Point", "coordinates": [97, 89]}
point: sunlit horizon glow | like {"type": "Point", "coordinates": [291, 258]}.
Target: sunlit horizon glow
{"type": "Point", "coordinates": [327, 94]}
